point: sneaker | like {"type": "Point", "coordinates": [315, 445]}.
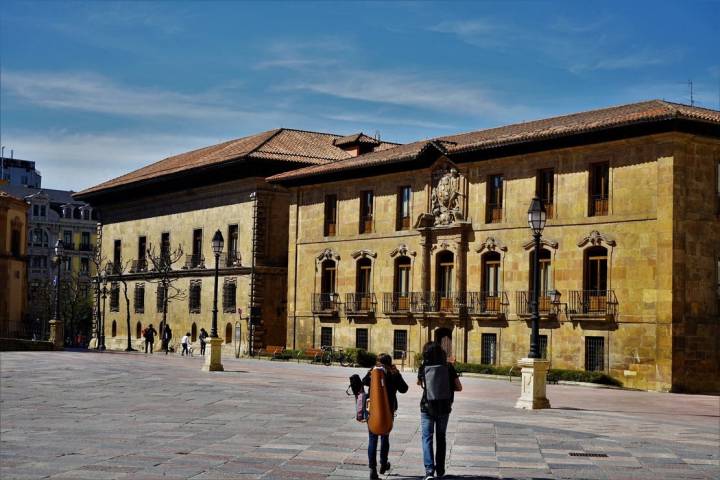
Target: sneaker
{"type": "Point", "coordinates": [374, 474]}
{"type": "Point", "coordinates": [429, 476]}
{"type": "Point", "coordinates": [384, 468]}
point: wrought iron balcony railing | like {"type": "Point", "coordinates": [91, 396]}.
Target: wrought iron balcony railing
{"type": "Point", "coordinates": [360, 303]}
{"type": "Point", "coordinates": [397, 302]}
{"type": "Point", "coordinates": [85, 247]}
{"type": "Point", "coordinates": [139, 265]}
{"type": "Point", "coordinates": [523, 303]}
{"type": "Point", "coordinates": [486, 303]}
{"type": "Point", "coordinates": [593, 302]}
{"type": "Point", "coordinates": [598, 205]}
{"type": "Point", "coordinates": [325, 303]}
{"type": "Point", "coordinates": [194, 261]}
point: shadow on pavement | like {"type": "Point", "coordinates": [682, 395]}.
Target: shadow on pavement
{"type": "Point", "coordinates": [626, 411]}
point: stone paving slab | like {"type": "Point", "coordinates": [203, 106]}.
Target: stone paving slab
{"type": "Point", "coordinates": [87, 415]}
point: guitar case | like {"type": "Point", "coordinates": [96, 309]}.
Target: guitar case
{"type": "Point", "coordinates": [380, 415]}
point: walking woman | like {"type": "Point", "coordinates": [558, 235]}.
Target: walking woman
{"type": "Point", "coordinates": [394, 383]}
{"type": "Point", "coordinates": [439, 381]}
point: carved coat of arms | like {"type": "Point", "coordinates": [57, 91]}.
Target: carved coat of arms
{"type": "Point", "coordinates": [446, 197]}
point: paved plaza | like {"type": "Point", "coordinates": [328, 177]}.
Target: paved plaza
{"type": "Point", "coordinates": [85, 415]}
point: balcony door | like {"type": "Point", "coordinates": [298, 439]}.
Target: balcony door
{"type": "Point", "coordinates": [363, 283]}
{"type": "Point", "coordinates": [595, 279]}
{"type": "Point", "coordinates": [402, 283]}
{"type": "Point", "coordinates": [445, 280]}
{"type": "Point", "coordinates": [546, 282]}
{"type": "Point", "coordinates": [327, 284]}
{"type": "Point", "coordinates": [491, 281]}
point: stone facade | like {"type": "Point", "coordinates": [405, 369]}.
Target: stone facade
{"type": "Point", "coordinates": [13, 265]}
{"type": "Point", "coordinates": [656, 325]}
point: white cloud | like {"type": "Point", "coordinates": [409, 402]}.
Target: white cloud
{"type": "Point", "coordinates": [632, 60]}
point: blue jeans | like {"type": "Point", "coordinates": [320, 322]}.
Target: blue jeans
{"type": "Point", "coordinates": [372, 449]}
{"type": "Point", "coordinates": [438, 425]}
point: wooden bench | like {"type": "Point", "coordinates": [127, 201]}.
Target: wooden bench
{"type": "Point", "coordinates": [313, 354]}
{"type": "Point", "coordinates": [272, 351]}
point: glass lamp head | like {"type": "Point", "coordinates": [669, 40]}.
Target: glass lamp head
{"type": "Point", "coordinates": [59, 249]}
{"type": "Point", "coordinates": [537, 216]}
{"type": "Point", "coordinates": [217, 243]}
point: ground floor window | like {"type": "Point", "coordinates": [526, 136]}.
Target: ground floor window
{"type": "Point", "coordinates": [361, 338]}
{"type": "Point", "coordinates": [594, 354]}
{"type": "Point", "coordinates": [400, 344]}
{"type": "Point", "coordinates": [229, 295]}
{"type": "Point", "coordinates": [138, 330]}
{"type": "Point", "coordinates": [326, 337]}
{"type": "Point", "coordinates": [488, 351]}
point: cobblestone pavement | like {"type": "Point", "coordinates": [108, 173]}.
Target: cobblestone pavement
{"type": "Point", "coordinates": [83, 415]}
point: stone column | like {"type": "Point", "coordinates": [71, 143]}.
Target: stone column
{"type": "Point", "coordinates": [532, 394]}
{"type": "Point", "coordinates": [461, 288]}
{"type": "Point", "coordinates": [213, 362]}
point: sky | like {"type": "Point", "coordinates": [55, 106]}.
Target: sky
{"type": "Point", "coordinates": [92, 90]}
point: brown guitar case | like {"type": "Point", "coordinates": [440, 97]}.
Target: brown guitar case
{"type": "Point", "coordinates": [380, 415]}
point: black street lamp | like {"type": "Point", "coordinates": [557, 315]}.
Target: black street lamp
{"type": "Point", "coordinates": [537, 218]}
{"type": "Point", "coordinates": [217, 247]}
{"type": "Point", "coordinates": [103, 277]}
{"type": "Point", "coordinates": [56, 328]}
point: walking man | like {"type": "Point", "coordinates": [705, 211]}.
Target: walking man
{"type": "Point", "coordinates": [203, 336]}
{"type": "Point", "coordinates": [150, 333]}
{"type": "Point", "coordinates": [166, 337]}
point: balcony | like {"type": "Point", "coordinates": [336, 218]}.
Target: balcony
{"type": "Point", "coordinates": [598, 205]}
{"type": "Point", "coordinates": [435, 302]}
{"type": "Point", "coordinates": [194, 261]}
{"type": "Point", "coordinates": [593, 304]}
{"type": "Point", "coordinates": [523, 305]}
{"type": "Point", "coordinates": [230, 259]}
{"type": "Point", "coordinates": [69, 245]}
{"type": "Point", "coordinates": [360, 304]}
{"type": "Point", "coordinates": [486, 304]}
{"type": "Point", "coordinates": [397, 303]}
{"type": "Point", "coordinates": [139, 265]}
{"type": "Point", "coordinates": [326, 303]}
{"type": "Point", "coordinates": [85, 247]}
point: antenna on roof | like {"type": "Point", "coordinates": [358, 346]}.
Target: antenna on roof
{"type": "Point", "coordinates": [377, 135]}
{"type": "Point", "coordinates": [692, 99]}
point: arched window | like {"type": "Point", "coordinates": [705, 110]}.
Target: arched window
{"type": "Point", "coordinates": [402, 282]}
{"type": "Point", "coordinates": [113, 332]}
{"type": "Point", "coordinates": [138, 330]}
{"type": "Point", "coordinates": [444, 279]}
{"type": "Point", "coordinates": [193, 332]}
{"type": "Point", "coordinates": [228, 333]}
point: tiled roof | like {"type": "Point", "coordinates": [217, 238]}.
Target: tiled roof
{"type": "Point", "coordinates": [280, 144]}
{"type": "Point", "coordinates": [355, 138]}
{"type": "Point", "coordinates": [595, 120]}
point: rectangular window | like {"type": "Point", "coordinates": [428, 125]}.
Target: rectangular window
{"type": "Point", "coordinates": [400, 344]}
{"type": "Point", "coordinates": [599, 189]}
{"type": "Point", "coordinates": [229, 295]}
{"type": "Point", "coordinates": [330, 223]}
{"type": "Point", "coordinates": [67, 263]}
{"type": "Point", "coordinates": [543, 346]}
{"type": "Point", "coordinates": [403, 208]}
{"type": "Point", "coordinates": [493, 208]}
{"type": "Point", "coordinates": [43, 211]}
{"type": "Point", "coordinates": [142, 248]}
{"type": "Point", "coordinates": [85, 241]}
{"type": "Point", "coordinates": [488, 354]}
{"type": "Point", "coordinates": [326, 337]}
{"type": "Point", "coordinates": [165, 245]}
{"type": "Point", "coordinates": [36, 210]}
{"type": "Point", "coordinates": [139, 298]}
{"type": "Point", "coordinates": [196, 248]}
{"type": "Point", "coordinates": [67, 239]}
{"type": "Point", "coordinates": [114, 297]}
{"type": "Point", "coordinates": [361, 338]}
{"type": "Point", "coordinates": [117, 255]}
{"type": "Point", "coordinates": [85, 265]}
{"type": "Point", "coordinates": [594, 354]}
{"type": "Point", "coordinates": [545, 189]}
{"type": "Point", "coordinates": [366, 211]}
{"type": "Point", "coordinates": [233, 237]}
{"type": "Point", "coordinates": [194, 297]}
{"type": "Point", "coordinates": [160, 299]}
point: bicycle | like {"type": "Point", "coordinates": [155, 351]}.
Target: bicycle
{"type": "Point", "coordinates": [330, 354]}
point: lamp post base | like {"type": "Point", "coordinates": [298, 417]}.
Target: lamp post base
{"type": "Point", "coordinates": [213, 359]}
{"type": "Point", "coordinates": [57, 337]}
{"type": "Point", "coordinates": [534, 377]}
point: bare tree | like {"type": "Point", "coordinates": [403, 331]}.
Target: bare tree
{"type": "Point", "coordinates": [165, 278]}
{"type": "Point", "coordinates": [75, 304]}
{"type": "Point", "coordinates": [100, 262]}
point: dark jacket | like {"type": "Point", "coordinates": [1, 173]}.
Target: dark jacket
{"type": "Point", "coordinates": [167, 334]}
{"type": "Point", "coordinates": [150, 334]}
{"type": "Point", "coordinates": [394, 383]}
{"type": "Point", "coordinates": [437, 407]}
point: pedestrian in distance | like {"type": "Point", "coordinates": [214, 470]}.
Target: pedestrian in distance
{"type": "Point", "coordinates": [203, 337]}
{"type": "Point", "coordinates": [166, 337]}
{"type": "Point", "coordinates": [439, 381]}
{"type": "Point", "coordinates": [185, 341]}
{"type": "Point", "coordinates": [149, 335]}
{"type": "Point", "coordinates": [393, 383]}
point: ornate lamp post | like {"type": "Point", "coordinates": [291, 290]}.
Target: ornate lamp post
{"type": "Point", "coordinates": [103, 279]}
{"type": "Point", "coordinates": [213, 361]}
{"type": "Point", "coordinates": [534, 369]}
{"type": "Point", "coordinates": [56, 325]}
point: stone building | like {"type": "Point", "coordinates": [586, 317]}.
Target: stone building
{"type": "Point", "coordinates": [54, 215]}
{"type": "Point", "coordinates": [177, 204]}
{"type": "Point", "coordinates": [13, 265]}
{"type": "Point", "coordinates": [387, 246]}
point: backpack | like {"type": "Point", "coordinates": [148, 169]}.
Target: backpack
{"type": "Point", "coordinates": [358, 391]}
{"type": "Point", "coordinates": [437, 382]}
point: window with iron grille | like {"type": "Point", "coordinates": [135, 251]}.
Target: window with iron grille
{"type": "Point", "coordinates": [488, 352]}
{"type": "Point", "coordinates": [229, 295]}
{"type": "Point", "coordinates": [160, 298]}
{"type": "Point", "coordinates": [594, 354]}
{"type": "Point", "coordinates": [330, 215]}
{"type": "Point", "coordinates": [194, 297]}
{"type": "Point", "coordinates": [139, 298]}
{"type": "Point", "coordinates": [114, 297]}
{"type": "Point", "coordinates": [542, 346]}
{"type": "Point", "coordinates": [399, 344]}
{"type": "Point", "coordinates": [326, 337]}
{"type": "Point", "coordinates": [361, 338]}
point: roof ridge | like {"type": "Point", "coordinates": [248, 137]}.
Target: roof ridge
{"type": "Point", "coordinates": [311, 131]}
{"type": "Point", "coordinates": [274, 134]}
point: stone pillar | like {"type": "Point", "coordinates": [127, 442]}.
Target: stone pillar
{"type": "Point", "coordinates": [460, 342]}
{"type": "Point", "coordinates": [213, 361]}
{"type": "Point", "coordinates": [534, 373]}
{"type": "Point", "coordinates": [57, 334]}
{"type": "Point", "coordinates": [425, 264]}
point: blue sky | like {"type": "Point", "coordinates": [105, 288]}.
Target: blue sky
{"type": "Point", "coordinates": [93, 90]}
